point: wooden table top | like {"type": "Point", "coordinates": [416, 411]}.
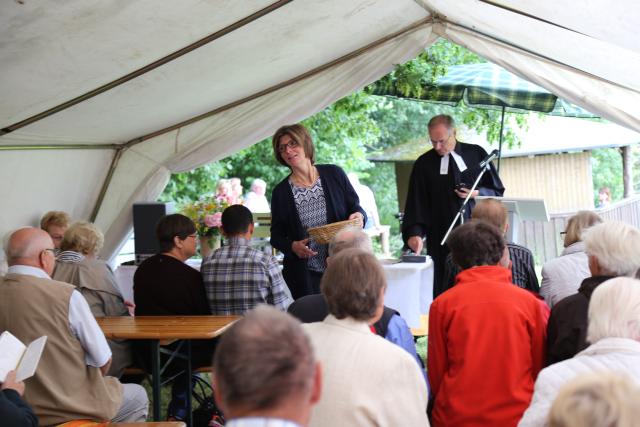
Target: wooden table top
{"type": "Point", "coordinates": [164, 327]}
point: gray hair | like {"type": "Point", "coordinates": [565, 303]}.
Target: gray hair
{"type": "Point", "coordinates": [614, 310]}
{"type": "Point", "coordinates": [352, 284]}
{"type": "Point", "coordinates": [595, 400]}
{"type": "Point", "coordinates": [263, 359]}
{"type": "Point", "coordinates": [616, 246]}
{"type": "Point", "coordinates": [259, 183]}
{"type": "Point", "coordinates": [348, 238]}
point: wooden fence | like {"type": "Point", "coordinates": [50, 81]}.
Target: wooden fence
{"type": "Point", "coordinates": [545, 241]}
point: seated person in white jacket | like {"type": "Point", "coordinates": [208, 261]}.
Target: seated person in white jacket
{"type": "Point", "coordinates": [614, 330]}
{"type": "Point", "coordinates": [368, 381]}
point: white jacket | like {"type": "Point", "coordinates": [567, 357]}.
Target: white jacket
{"type": "Point", "coordinates": [620, 355]}
{"type": "Point", "coordinates": [367, 380]}
{"type": "Point", "coordinates": [562, 276]}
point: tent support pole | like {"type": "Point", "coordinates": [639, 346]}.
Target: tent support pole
{"type": "Point", "coordinates": [149, 67]}
{"type": "Point", "coordinates": [105, 184]}
{"type": "Point", "coordinates": [501, 137]}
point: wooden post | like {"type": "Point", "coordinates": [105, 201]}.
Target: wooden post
{"type": "Point", "coordinates": [627, 178]}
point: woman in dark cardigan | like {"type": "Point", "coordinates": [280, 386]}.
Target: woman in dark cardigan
{"type": "Point", "coordinates": [311, 196]}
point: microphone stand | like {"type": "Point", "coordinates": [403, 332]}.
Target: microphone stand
{"type": "Point", "coordinates": [462, 209]}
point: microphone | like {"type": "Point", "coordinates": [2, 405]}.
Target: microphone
{"type": "Point", "coordinates": [490, 157]}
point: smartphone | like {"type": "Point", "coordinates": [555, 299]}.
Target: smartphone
{"type": "Point", "coordinates": [461, 185]}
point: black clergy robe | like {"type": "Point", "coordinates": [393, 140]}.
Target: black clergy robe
{"type": "Point", "coordinates": [432, 202]}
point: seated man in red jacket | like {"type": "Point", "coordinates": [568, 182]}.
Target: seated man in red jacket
{"type": "Point", "coordinates": [486, 336]}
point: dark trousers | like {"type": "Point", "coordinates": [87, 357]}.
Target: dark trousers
{"type": "Point", "coordinates": [438, 255]}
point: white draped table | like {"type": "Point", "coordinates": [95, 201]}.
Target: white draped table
{"type": "Point", "coordinates": [409, 287]}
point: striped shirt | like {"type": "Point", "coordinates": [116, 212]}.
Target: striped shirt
{"type": "Point", "coordinates": [523, 273]}
{"type": "Point", "coordinates": [238, 277]}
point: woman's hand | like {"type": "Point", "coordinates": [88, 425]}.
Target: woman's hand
{"type": "Point", "coordinates": [11, 383]}
{"type": "Point", "coordinates": [300, 248]}
{"type": "Point", "coordinates": [359, 217]}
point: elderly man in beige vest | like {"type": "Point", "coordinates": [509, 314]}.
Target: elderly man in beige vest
{"type": "Point", "coordinates": [70, 382]}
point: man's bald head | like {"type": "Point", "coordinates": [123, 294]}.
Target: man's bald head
{"type": "Point", "coordinates": [491, 211]}
{"type": "Point", "coordinates": [26, 246]}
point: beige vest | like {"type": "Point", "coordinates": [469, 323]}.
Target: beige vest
{"type": "Point", "coordinates": [64, 387]}
{"type": "Point", "coordinates": [97, 284]}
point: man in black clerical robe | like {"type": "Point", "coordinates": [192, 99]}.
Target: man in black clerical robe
{"type": "Point", "coordinates": [433, 198]}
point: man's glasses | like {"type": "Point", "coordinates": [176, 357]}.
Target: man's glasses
{"type": "Point", "coordinates": [291, 144]}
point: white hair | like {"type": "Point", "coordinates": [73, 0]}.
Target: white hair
{"type": "Point", "coordinates": [258, 183]}
{"type": "Point", "coordinates": [614, 310]}
{"type": "Point", "coordinates": [596, 400]}
{"type": "Point", "coordinates": [616, 246]}
{"type": "Point", "coordinates": [348, 238]}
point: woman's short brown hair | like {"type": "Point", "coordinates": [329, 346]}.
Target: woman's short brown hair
{"type": "Point", "coordinates": [578, 224]}
{"type": "Point", "coordinates": [299, 134]}
{"type": "Point", "coordinates": [57, 218]}
{"type": "Point", "coordinates": [84, 238]}
{"type": "Point", "coordinates": [352, 284]}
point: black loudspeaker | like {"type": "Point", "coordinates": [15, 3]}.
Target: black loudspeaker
{"type": "Point", "coordinates": [145, 217]}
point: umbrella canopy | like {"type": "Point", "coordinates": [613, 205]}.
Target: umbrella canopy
{"type": "Point", "coordinates": [486, 85]}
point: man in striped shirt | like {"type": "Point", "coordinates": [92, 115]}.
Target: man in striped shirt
{"type": "Point", "coordinates": [522, 265]}
{"type": "Point", "coordinates": [238, 277]}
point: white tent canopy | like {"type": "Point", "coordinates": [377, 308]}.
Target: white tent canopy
{"type": "Point", "coordinates": [104, 99]}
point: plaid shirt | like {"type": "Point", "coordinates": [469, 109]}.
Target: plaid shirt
{"type": "Point", "coordinates": [238, 277]}
{"type": "Point", "coordinates": [523, 272]}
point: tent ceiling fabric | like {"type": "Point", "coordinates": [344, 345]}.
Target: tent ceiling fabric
{"type": "Point", "coordinates": [52, 53]}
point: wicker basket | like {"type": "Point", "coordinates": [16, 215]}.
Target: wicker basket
{"type": "Point", "coordinates": [325, 233]}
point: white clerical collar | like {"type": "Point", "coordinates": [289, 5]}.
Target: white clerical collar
{"type": "Point", "coordinates": [444, 163]}
{"type": "Point", "coordinates": [27, 270]}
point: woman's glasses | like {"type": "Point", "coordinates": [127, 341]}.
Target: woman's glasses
{"type": "Point", "coordinates": [291, 144]}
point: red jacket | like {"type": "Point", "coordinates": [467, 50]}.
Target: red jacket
{"type": "Point", "coordinates": [486, 347]}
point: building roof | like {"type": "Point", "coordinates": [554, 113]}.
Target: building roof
{"type": "Point", "coordinates": [545, 135]}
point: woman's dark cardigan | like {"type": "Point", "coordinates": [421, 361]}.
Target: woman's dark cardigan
{"type": "Point", "coordinates": [341, 200]}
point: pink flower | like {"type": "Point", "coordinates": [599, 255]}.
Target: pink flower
{"type": "Point", "coordinates": [213, 220]}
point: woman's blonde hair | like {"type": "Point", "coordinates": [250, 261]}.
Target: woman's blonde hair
{"type": "Point", "coordinates": [83, 237]}
{"type": "Point", "coordinates": [578, 224]}
{"type": "Point", "coordinates": [57, 218]}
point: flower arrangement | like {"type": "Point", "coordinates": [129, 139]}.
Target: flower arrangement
{"type": "Point", "coordinates": [206, 214]}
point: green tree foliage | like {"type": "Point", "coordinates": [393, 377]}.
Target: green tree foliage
{"type": "Point", "coordinates": [360, 123]}
{"type": "Point", "coordinates": [189, 186]}
{"type": "Point", "coordinates": [606, 164]}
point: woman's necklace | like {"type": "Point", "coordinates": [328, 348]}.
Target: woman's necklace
{"type": "Point", "coordinates": [305, 180]}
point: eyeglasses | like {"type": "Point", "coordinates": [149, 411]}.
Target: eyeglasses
{"type": "Point", "coordinates": [291, 144]}
{"type": "Point", "coordinates": [53, 251]}
{"type": "Point", "coordinates": [194, 235]}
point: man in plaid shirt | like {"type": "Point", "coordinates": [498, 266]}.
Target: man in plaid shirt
{"type": "Point", "coordinates": [238, 277]}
